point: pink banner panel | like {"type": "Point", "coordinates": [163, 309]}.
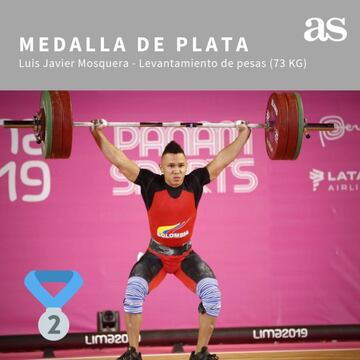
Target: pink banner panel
{"type": "Point", "coordinates": [281, 236]}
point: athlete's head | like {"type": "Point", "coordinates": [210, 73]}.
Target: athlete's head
{"type": "Point", "coordinates": [173, 164]}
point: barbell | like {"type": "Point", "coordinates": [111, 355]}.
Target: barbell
{"type": "Point", "coordinates": [285, 125]}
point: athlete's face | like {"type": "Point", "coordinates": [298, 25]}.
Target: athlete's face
{"type": "Point", "coordinates": [173, 166]}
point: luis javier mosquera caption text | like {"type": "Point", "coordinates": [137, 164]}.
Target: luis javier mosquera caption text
{"type": "Point", "coordinates": [188, 46]}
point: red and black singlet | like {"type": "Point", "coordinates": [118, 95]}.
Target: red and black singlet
{"type": "Point", "coordinates": [172, 211]}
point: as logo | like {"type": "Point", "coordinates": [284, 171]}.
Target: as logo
{"type": "Point", "coordinates": [333, 29]}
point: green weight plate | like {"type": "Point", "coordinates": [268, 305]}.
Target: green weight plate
{"type": "Point", "coordinates": [301, 125]}
{"type": "Point", "coordinates": [293, 127]}
{"type": "Point", "coordinates": [56, 108]}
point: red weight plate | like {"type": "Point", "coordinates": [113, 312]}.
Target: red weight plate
{"type": "Point", "coordinates": [61, 125]}
{"type": "Point", "coordinates": [277, 131]}
{"type": "Point", "coordinates": [293, 127]}
{"type": "Point", "coordinates": [57, 119]}
{"type": "Point", "coordinates": [67, 124]}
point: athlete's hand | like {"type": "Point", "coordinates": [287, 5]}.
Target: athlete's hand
{"type": "Point", "coordinates": [98, 124]}
{"type": "Point", "coordinates": [241, 124]}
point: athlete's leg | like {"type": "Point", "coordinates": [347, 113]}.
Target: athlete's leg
{"type": "Point", "coordinates": [199, 278]}
{"type": "Point", "coordinates": [146, 274]}
{"type": "Point", "coordinates": [207, 319]}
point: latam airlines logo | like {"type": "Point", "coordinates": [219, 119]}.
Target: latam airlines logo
{"type": "Point", "coordinates": [317, 176]}
{"type": "Point", "coordinates": [171, 231]}
{"type": "Point", "coordinates": [344, 180]}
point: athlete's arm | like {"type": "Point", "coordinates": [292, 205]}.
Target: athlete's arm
{"type": "Point", "coordinates": [229, 153]}
{"type": "Point", "coordinates": [116, 156]}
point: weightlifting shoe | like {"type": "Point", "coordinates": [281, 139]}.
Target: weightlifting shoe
{"type": "Point", "coordinates": [203, 355]}
{"type": "Point", "coordinates": [130, 354]}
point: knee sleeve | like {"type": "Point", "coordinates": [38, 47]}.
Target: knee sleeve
{"type": "Point", "coordinates": [210, 295]}
{"type": "Point", "coordinates": [137, 289]}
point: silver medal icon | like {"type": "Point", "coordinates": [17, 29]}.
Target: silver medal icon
{"type": "Point", "coordinates": [53, 324]}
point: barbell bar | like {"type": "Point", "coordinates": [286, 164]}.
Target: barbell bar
{"type": "Point", "coordinates": [285, 125]}
{"type": "Point", "coordinates": [27, 123]}
{"type": "Point", "coordinates": [30, 123]}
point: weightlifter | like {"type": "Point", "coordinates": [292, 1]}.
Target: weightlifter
{"type": "Point", "coordinates": [171, 200]}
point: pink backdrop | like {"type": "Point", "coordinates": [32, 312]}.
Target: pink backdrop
{"type": "Point", "coordinates": [285, 248]}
